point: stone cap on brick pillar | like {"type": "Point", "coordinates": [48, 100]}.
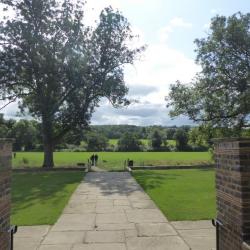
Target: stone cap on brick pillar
{"type": "Point", "coordinates": [234, 143]}
{"type": "Point", "coordinates": [230, 139]}
{"type": "Point", "coordinates": [245, 246]}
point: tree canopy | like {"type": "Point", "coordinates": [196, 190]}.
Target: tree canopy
{"type": "Point", "coordinates": [129, 142]}
{"type": "Point", "coordinates": [156, 140]}
{"type": "Point", "coordinates": [181, 138]}
{"type": "Point", "coordinates": [58, 67]}
{"type": "Point", "coordinates": [220, 93]}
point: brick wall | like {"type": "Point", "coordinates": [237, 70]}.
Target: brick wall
{"type": "Point", "coordinates": [232, 157]}
{"type": "Point", "coordinates": [5, 178]}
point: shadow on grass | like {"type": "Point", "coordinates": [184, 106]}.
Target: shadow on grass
{"type": "Point", "coordinates": [29, 189]}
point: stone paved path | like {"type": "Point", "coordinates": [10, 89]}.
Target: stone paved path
{"type": "Point", "coordinates": [30, 237]}
{"type": "Point", "coordinates": [111, 211]}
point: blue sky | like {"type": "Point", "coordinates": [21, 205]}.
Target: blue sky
{"type": "Point", "coordinates": [168, 27]}
{"type": "Point", "coordinates": [151, 16]}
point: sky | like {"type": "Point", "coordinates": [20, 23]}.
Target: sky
{"type": "Point", "coordinates": [168, 28]}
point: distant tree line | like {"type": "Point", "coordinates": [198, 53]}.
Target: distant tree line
{"type": "Point", "coordinates": [28, 137]}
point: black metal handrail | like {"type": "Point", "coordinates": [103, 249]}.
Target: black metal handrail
{"type": "Point", "coordinates": [216, 223]}
{"type": "Point", "coordinates": [12, 230]}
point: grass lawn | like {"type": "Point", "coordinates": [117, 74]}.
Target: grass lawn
{"type": "Point", "coordinates": [39, 198]}
{"type": "Point", "coordinates": [114, 160]}
{"type": "Point", "coordinates": [145, 142]}
{"type": "Point", "coordinates": [181, 194]}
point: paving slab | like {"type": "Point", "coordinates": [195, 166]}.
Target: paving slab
{"type": "Point", "coordinates": [102, 246]}
{"type": "Point", "coordinates": [115, 226]}
{"type": "Point", "coordinates": [29, 237]}
{"type": "Point", "coordinates": [109, 210]}
{"type": "Point", "coordinates": [143, 203]}
{"type": "Point", "coordinates": [68, 237]}
{"type": "Point", "coordinates": [199, 239]}
{"type": "Point", "coordinates": [145, 215]}
{"type": "Point", "coordinates": [123, 202]}
{"type": "Point", "coordinates": [56, 247]}
{"type": "Point", "coordinates": [155, 229]}
{"type": "Point", "coordinates": [111, 218]}
{"type": "Point", "coordinates": [131, 233]}
{"type": "Point", "coordinates": [192, 224]}
{"type": "Point", "coordinates": [80, 208]}
{"type": "Point", "coordinates": [105, 237]}
{"type": "Point", "coordinates": [156, 243]}
{"type": "Point", "coordinates": [25, 244]}
{"type": "Point", "coordinates": [33, 232]}
{"type": "Point", "coordinates": [75, 222]}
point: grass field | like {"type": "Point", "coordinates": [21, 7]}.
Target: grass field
{"type": "Point", "coordinates": [114, 160]}
{"type": "Point", "coordinates": [39, 198]}
{"type": "Point", "coordinates": [145, 142]}
{"type": "Point", "coordinates": [180, 194]}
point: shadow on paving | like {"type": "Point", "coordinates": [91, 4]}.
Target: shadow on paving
{"type": "Point", "coordinates": [113, 183]}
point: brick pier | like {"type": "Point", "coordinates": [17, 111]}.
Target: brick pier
{"type": "Point", "coordinates": [5, 202]}
{"type": "Point", "coordinates": [232, 157]}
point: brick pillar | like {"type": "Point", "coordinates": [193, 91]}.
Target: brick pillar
{"type": "Point", "coordinates": [5, 202]}
{"type": "Point", "coordinates": [232, 158]}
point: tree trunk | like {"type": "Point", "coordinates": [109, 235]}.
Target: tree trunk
{"type": "Point", "coordinates": [48, 161]}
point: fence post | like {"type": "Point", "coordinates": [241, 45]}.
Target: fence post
{"type": "Point", "coordinates": [232, 159]}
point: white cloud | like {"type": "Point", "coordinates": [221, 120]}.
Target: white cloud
{"type": "Point", "coordinates": [206, 26]}
{"type": "Point", "coordinates": [176, 22]}
{"type": "Point", "coordinates": [139, 114]}
{"type": "Point", "coordinates": [179, 22]}
{"type": "Point", "coordinates": [160, 67]}
{"type": "Point", "coordinates": [214, 11]}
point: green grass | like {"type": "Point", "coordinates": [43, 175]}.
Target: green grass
{"type": "Point", "coordinates": [145, 142]}
{"type": "Point", "coordinates": [172, 142]}
{"type": "Point", "coordinates": [39, 198]}
{"type": "Point", "coordinates": [113, 142]}
{"type": "Point", "coordinates": [115, 160]}
{"type": "Point", "coordinates": [181, 194]}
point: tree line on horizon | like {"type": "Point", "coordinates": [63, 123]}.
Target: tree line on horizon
{"type": "Point", "coordinates": [28, 137]}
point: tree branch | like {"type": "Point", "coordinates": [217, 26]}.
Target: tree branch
{"type": "Point", "coordinates": [5, 105]}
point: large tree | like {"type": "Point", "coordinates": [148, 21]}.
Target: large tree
{"type": "Point", "coordinates": [129, 142]}
{"type": "Point", "coordinates": [96, 142]}
{"type": "Point", "coordinates": [220, 93]}
{"type": "Point", "coordinates": [156, 140]}
{"type": "Point", "coordinates": [181, 138]}
{"type": "Point", "coordinates": [59, 68]}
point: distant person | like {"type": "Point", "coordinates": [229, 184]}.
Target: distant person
{"type": "Point", "coordinates": [14, 154]}
{"type": "Point", "coordinates": [96, 159]}
{"type": "Point", "coordinates": [92, 159]}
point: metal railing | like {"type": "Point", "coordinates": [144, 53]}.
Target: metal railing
{"type": "Point", "coordinates": [217, 224]}
{"type": "Point", "coordinates": [12, 230]}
